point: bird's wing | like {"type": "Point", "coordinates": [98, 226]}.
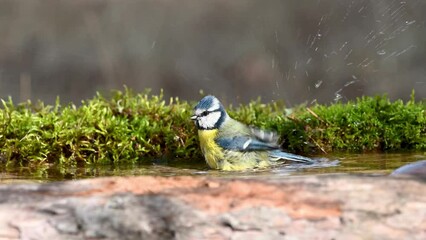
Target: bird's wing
{"type": "Point", "coordinates": [244, 143]}
{"type": "Point", "coordinates": [276, 155]}
{"type": "Point", "coordinates": [264, 136]}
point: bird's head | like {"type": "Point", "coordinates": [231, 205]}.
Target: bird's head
{"type": "Point", "coordinates": [209, 113]}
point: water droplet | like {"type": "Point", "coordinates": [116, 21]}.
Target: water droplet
{"type": "Point", "coordinates": [410, 22]}
{"type": "Point", "coordinates": [337, 97]}
{"type": "Point", "coordinates": [381, 52]}
{"type": "Point", "coordinates": [318, 84]}
{"type": "Point", "coordinates": [351, 82]}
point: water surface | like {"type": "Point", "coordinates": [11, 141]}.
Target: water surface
{"type": "Point", "coordinates": [372, 164]}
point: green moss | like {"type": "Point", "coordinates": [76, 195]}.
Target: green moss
{"type": "Point", "coordinates": [137, 127]}
{"type": "Point", "coordinates": [125, 128]}
{"type": "Point", "coordinates": [366, 124]}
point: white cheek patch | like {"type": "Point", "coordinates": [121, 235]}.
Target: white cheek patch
{"type": "Point", "coordinates": [210, 120]}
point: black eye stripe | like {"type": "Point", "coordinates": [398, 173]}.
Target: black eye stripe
{"type": "Point", "coordinates": [205, 113]}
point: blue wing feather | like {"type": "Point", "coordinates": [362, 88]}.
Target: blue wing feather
{"type": "Point", "coordinates": [280, 155]}
{"type": "Point", "coordinates": [244, 143]}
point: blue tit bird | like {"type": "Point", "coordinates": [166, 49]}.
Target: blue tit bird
{"type": "Point", "coordinates": [228, 144]}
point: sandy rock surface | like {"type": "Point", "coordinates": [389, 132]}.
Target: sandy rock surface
{"type": "Point", "coordinates": [313, 207]}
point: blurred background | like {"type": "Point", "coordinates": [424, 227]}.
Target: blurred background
{"type": "Point", "coordinates": [296, 51]}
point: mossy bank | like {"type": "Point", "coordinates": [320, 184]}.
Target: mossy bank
{"type": "Point", "coordinates": [130, 127]}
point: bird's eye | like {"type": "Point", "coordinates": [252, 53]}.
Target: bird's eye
{"type": "Point", "coordinates": [205, 113]}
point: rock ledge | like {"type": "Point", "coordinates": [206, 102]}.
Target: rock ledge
{"type": "Point", "coordinates": [313, 207]}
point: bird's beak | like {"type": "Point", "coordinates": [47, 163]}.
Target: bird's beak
{"type": "Point", "coordinates": [194, 117]}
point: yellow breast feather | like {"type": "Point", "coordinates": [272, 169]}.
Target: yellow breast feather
{"type": "Point", "coordinates": [217, 158]}
{"type": "Point", "coordinates": [213, 153]}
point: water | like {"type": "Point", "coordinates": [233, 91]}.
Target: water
{"type": "Point", "coordinates": [372, 164]}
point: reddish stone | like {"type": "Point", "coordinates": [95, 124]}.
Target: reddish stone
{"type": "Point", "coordinates": [314, 207]}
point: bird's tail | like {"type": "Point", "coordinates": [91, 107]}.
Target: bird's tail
{"type": "Point", "coordinates": [276, 155]}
